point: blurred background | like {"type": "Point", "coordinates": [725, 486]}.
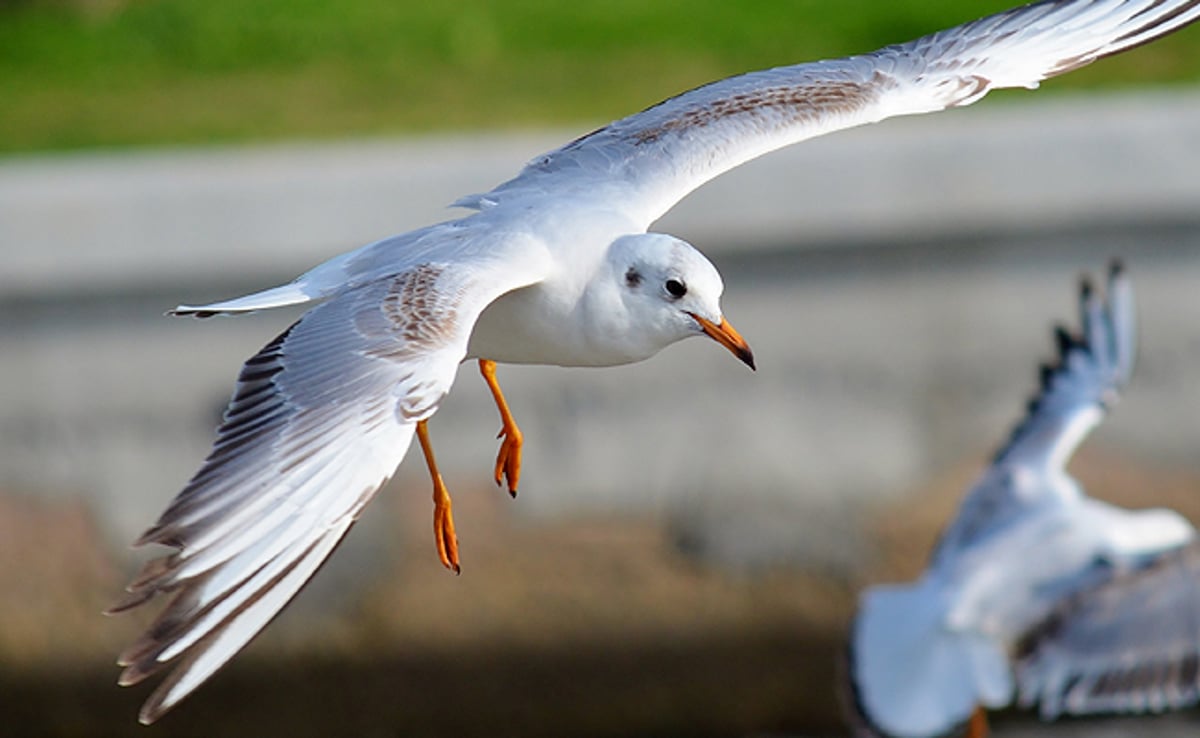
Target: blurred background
{"type": "Point", "coordinates": [689, 539]}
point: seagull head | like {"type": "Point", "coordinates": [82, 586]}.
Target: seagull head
{"type": "Point", "coordinates": [672, 292]}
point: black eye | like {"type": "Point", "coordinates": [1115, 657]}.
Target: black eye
{"type": "Point", "coordinates": [676, 288]}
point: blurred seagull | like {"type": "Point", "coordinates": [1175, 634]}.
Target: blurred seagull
{"type": "Point", "coordinates": [1036, 591]}
{"type": "Point", "coordinates": [555, 267]}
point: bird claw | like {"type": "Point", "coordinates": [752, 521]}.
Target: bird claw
{"type": "Point", "coordinates": [508, 460]}
{"type": "Point", "coordinates": [443, 532]}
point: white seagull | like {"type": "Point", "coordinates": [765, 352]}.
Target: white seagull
{"type": "Point", "coordinates": [555, 267]}
{"type": "Point", "coordinates": [1036, 592]}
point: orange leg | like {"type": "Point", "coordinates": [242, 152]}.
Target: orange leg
{"type": "Point", "coordinates": [443, 518]}
{"type": "Point", "coordinates": [978, 725]}
{"type": "Point", "coordinates": [508, 461]}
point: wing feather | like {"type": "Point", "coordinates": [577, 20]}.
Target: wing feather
{"type": "Point", "coordinates": [1075, 393]}
{"type": "Point", "coordinates": [319, 419]}
{"type": "Point", "coordinates": [645, 163]}
{"type": "Point", "coordinates": [1129, 644]}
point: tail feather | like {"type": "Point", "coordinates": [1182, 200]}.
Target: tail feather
{"type": "Point", "coordinates": [912, 676]}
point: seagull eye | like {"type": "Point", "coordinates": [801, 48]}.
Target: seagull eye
{"type": "Point", "coordinates": [676, 288]}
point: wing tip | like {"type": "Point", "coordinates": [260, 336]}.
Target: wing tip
{"type": "Point", "coordinates": [128, 601]}
{"type": "Point", "coordinates": [191, 311]}
{"type": "Point", "coordinates": [1105, 335]}
{"type": "Point", "coordinates": [155, 707]}
{"type": "Point", "coordinates": [1087, 290]}
{"type": "Point", "coordinates": [1115, 310]}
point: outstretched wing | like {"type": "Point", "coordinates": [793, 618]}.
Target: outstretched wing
{"type": "Point", "coordinates": [1075, 393]}
{"type": "Point", "coordinates": [1130, 644]}
{"type": "Point", "coordinates": [645, 163]}
{"type": "Point", "coordinates": [318, 422]}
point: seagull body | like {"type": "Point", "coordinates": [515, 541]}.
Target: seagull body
{"type": "Point", "coordinates": [555, 266]}
{"type": "Point", "coordinates": [1022, 575]}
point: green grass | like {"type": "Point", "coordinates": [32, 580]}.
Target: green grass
{"type": "Point", "coordinates": [88, 73]}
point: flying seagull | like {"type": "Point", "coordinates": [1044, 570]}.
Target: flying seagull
{"type": "Point", "coordinates": [555, 266]}
{"type": "Point", "coordinates": [1037, 593]}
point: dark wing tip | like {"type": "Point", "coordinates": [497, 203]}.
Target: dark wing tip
{"type": "Point", "coordinates": [1086, 288]}
{"type": "Point", "coordinates": [182, 312]}
{"type": "Point", "coordinates": [1101, 348]}
{"type": "Point", "coordinates": [128, 601]}
{"type": "Point", "coordinates": [1064, 342]}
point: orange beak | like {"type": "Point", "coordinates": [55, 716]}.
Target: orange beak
{"type": "Point", "coordinates": [725, 335]}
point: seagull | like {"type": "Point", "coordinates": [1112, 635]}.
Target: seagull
{"type": "Point", "coordinates": [555, 266]}
{"type": "Point", "coordinates": [1037, 593]}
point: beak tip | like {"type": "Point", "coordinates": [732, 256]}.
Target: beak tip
{"type": "Point", "coordinates": [724, 334]}
{"type": "Point", "coordinates": [747, 358]}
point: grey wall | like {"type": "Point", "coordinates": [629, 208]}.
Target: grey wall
{"type": "Point", "coordinates": [897, 283]}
